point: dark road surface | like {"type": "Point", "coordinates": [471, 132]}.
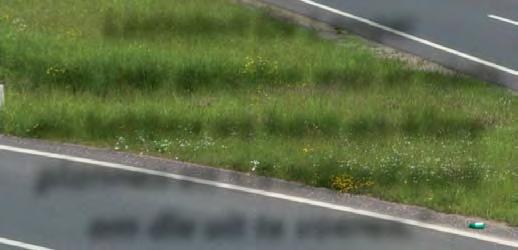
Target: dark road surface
{"type": "Point", "coordinates": [60, 204]}
{"type": "Point", "coordinates": [472, 41]}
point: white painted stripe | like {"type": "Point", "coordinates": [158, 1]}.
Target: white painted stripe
{"type": "Point", "coordinates": [18, 244]}
{"type": "Point", "coordinates": [503, 19]}
{"type": "Point", "coordinates": [265, 193]}
{"type": "Point", "coordinates": [412, 37]}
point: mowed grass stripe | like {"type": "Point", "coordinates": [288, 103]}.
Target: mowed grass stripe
{"type": "Point", "coordinates": [217, 83]}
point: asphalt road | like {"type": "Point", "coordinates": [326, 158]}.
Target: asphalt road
{"type": "Point", "coordinates": [477, 37]}
{"type": "Point", "coordinates": [61, 204]}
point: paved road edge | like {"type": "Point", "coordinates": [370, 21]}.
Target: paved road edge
{"type": "Point", "coordinates": [405, 212]}
{"type": "Point", "coordinates": [428, 50]}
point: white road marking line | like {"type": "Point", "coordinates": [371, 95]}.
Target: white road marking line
{"type": "Point", "coordinates": [18, 244]}
{"type": "Point", "coordinates": [265, 193]}
{"type": "Point", "coordinates": [503, 19]}
{"type": "Point", "coordinates": [412, 37]}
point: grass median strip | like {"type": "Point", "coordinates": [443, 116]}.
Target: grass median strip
{"type": "Point", "coordinates": [217, 83]}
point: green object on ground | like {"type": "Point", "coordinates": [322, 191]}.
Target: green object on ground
{"type": "Point", "coordinates": [477, 225]}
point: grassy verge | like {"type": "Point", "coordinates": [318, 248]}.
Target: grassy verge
{"type": "Point", "coordinates": [235, 89]}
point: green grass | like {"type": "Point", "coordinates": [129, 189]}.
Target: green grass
{"type": "Point", "coordinates": [213, 82]}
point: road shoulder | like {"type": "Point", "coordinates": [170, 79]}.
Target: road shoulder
{"type": "Point", "coordinates": [409, 212]}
